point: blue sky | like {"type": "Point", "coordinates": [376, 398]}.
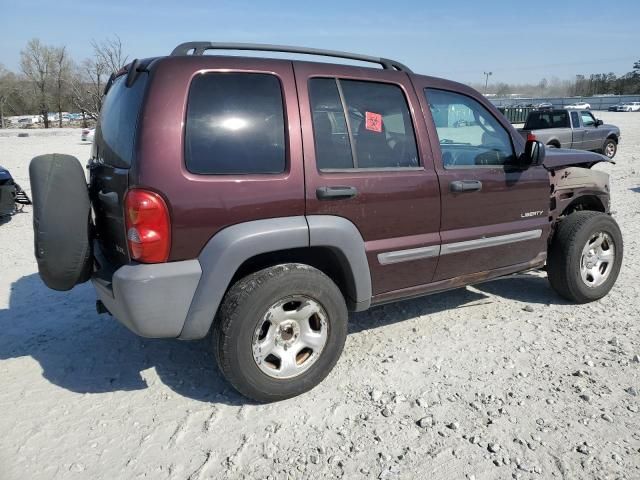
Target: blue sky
{"type": "Point", "coordinates": [518, 41]}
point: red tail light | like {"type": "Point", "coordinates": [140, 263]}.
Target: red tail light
{"type": "Point", "coordinates": [531, 137]}
{"type": "Point", "coordinates": [148, 226]}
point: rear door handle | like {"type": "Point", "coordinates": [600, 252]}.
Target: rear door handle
{"type": "Point", "coordinates": [466, 186]}
{"type": "Point", "coordinates": [336, 193]}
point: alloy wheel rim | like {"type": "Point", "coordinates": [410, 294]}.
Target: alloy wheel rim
{"type": "Point", "coordinates": [610, 150]}
{"type": "Point", "coordinates": [596, 262]}
{"type": "Point", "coordinates": [290, 337]}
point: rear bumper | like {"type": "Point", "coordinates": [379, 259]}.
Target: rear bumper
{"type": "Point", "coordinates": [151, 300]}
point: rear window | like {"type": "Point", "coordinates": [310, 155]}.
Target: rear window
{"type": "Point", "coordinates": [119, 119]}
{"type": "Point", "coordinates": [235, 124]}
{"type": "Point", "coordinates": [540, 120]}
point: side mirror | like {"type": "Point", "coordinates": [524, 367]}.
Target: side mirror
{"type": "Point", "coordinates": [533, 155]}
{"type": "Point", "coordinates": [599, 122]}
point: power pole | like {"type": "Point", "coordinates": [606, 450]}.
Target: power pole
{"type": "Point", "coordinates": [486, 80]}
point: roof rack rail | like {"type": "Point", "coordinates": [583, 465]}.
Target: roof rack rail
{"type": "Point", "coordinates": [198, 48]}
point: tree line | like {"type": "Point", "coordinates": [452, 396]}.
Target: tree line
{"type": "Point", "coordinates": [581, 86]}
{"type": "Point", "coordinates": [50, 80]}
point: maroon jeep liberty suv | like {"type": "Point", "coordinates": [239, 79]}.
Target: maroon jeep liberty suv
{"type": "Point", "coordinates": [263, 199]}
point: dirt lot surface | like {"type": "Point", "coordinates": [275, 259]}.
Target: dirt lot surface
{"type": "Point", "coordinates": [502, 380]}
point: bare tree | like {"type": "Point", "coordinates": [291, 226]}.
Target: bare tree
{"type": "Point", "coordinates": [62, 77]}
{"type": "Point", "coordinates": [503, 89]}
{"type": "Point", "coordinates": [542, 86]}
{"type": "Point", "coordinates": [87, 87]}
{"type": "Point", "coordinates": [109, 53]}
{"type": "Point", "coordinates": [37, 64]}
{"type": "Point", "coordinates": [91, 75]}
{"type": "Point", "coordinates": [8, 88]}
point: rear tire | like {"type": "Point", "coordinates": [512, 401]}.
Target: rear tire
{"type": "Point", "coordinates": [280, 331]}
{"type": "Point", "coordinates": [585, 256]}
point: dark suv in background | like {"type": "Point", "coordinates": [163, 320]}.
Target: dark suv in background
{"type": "Point", "coordinates": [263, 199]}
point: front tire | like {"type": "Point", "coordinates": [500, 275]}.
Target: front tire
{"type": "Point", "coordinates": [280, 331]}
{"type": "Point", "coordinates": [585, 256]}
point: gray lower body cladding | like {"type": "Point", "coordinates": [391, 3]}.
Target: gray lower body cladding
{"type": "Point", "coordinates": [180, 299]}
{"type": "Point", "coordinates": [151, 300]}
{"type": "Point", "coordinates": [224, 254]}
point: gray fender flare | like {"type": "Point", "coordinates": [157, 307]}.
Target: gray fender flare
{"type": "Point", "coordinates": [342, 236]}
{"type": "Point", "coordinates": [227, 250]}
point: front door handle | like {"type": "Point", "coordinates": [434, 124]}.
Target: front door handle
{"type": "Point", "coordinates": [466, 186]}
{"type": "Point", "coordinates": [336, 193]}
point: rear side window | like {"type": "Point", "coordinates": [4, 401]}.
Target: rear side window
{"type": "Point", "coordinates": [333, 150]}
{"type": "Point", "coordinates": [360, 124]}
{"type": "Point", "coordinates": [119, 119]}
{"type": "Point", "coordinates": [235, 124]}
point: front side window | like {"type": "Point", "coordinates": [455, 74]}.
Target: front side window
{"type": "Point", "coordinates": [575, 119]}
{"type": "Point", "coordinates": [235, 124]}
{"type": "Point", "coordinates": [468, 134]}
{"type": "Point", "coordinates": [360, 124]}
{"type": "Point", "coordinates": [587, 119]}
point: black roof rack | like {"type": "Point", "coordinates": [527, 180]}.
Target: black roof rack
{"type": "Point", "coordinates": [198, 48]}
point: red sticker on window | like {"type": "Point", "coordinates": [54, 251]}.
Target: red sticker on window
{"type": "Point", "coordinates": [373, 122]}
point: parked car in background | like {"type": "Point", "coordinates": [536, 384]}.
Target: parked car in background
{"type": "Point", "coordinates": [578, 106]}
{"type": "Point", "coordinates": [629, 107]}
{"type": "Point", "coordinates": [87, 134]}
{"type": "Point", "coordinates": [27, 122]}
{"type": "Point", "coordinates": [614, 108]}
{"type": "Point", "coordinates": [262, 199]}
{"type": "Point", "coordinates": [545, 106]}
{"type": "Point", "coordinates": [578, 130]}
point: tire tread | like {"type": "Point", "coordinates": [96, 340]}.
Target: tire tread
{"type": "Point", "coordinates": [228, 313]}
{"type": "Point", "coordinates": [564, 255]}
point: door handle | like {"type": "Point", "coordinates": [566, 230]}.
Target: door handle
{"type": "Point", "coordinates": [466, 186]}
{"type": "Point", "coordinates": [336, 193]}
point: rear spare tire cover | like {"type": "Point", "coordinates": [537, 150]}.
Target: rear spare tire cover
{"type": "Point", "coordinates": [61, 220]}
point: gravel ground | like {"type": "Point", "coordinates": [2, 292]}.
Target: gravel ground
{"type": "Point", "coordinates": [496, 381]}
